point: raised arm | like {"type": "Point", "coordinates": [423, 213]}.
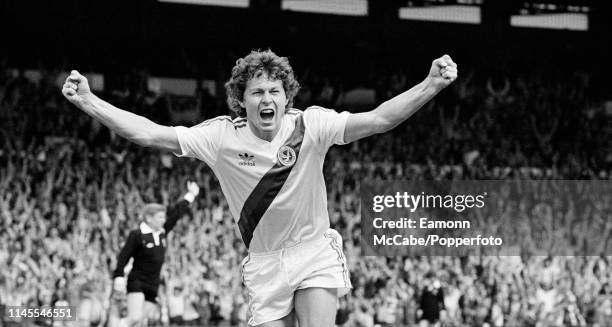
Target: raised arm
{"type": "Point", "coordinates": [181, 208]}
{"type": "Point", "coordinates": [137, 129]}
{"type": "Point", "coordinates": [394, 111]}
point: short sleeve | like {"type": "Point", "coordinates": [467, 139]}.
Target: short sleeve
{"type": "Point", "coordinates": [325, 126]}
{"type": "Point", "coordinates": [202, 141]}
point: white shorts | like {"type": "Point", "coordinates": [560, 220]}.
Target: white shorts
{"type": "Point", "coordinates": [272, 278]}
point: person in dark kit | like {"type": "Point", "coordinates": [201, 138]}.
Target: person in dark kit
{"type": "Point", "coordinates": [431, 302]}
{"type": "Point", "coordinates": [147, 246]}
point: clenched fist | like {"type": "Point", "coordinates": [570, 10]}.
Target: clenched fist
{"type": "Point", "coordinates": [193, 188]}
{"type": "Point", "coordinates": [443, 72]}
{"type": "Point", "coordinates": [192, 191]}
{"type": "Point", "coordinates": [76, 88]}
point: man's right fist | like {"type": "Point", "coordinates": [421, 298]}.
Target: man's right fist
{"type": "Point", "coordinates": [76, 88]}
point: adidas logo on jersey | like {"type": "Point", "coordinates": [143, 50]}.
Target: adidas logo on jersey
{"type": "Point", "coordinates": [246, 159]}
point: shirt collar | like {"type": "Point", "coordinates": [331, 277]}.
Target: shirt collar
{"type": "Point", "coordinates": [146, 229]}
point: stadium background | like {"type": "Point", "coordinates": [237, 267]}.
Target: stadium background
{"type": "Point", "coordinates": [529, 103]}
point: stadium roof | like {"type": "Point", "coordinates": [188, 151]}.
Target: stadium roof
{"type": "Point", "coordinates": [554, 14]}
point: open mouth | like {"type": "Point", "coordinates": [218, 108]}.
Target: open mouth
{"type": "Point", "coordinates": [266, 114]}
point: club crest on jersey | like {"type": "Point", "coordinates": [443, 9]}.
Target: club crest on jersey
{"type": "Point", "coordinates": [286, 156]}
{"type": "Point", "coordinates": [246, 159]}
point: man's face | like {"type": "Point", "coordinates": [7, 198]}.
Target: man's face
{"type": "Point", "coordinates": [265, 101]}
{"type": "Point", "coordinates": [156, 221]}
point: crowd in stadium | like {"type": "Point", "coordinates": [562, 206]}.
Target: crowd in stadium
{"type": "Point", "coordinates": [70, 192]}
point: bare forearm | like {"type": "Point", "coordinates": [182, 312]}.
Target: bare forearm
{"type": "Point", "coordinates": [131, 126]}
{"type": "Point", "coordinates": [396, 110]}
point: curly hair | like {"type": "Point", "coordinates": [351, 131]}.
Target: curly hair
{"type": "Point", "coordinates": [253, 65]}
{"type": "Point", "coordinates": [151, 209]}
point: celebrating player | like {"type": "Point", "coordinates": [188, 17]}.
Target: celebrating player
{"type": "Point", "coordinates": [269, 162]}
{"type": "Point", "coordinates": [147, 246]}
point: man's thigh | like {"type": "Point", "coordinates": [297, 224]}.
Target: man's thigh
{"type": "Point", "coordinates": [316, 306]}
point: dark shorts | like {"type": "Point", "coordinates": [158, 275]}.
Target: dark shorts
{"type": "Point", "coordinates": [137, 286]}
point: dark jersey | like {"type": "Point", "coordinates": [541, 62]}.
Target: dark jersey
{"type": "Point", "coordinates": [148, 255]}
{"type": "Point", "coordinates": [432, 302]}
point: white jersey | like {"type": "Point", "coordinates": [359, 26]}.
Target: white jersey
{"type": "Point", "coordinates": [275, 190]}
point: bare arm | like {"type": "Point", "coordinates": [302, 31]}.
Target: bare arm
{"type": "Point", "coordinates": [393, 112]}
{"type": "Point", "coordinates": [137, 129]}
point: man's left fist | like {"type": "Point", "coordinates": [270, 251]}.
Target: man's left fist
{"type": "Point", "coordinates": [443, 71]}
